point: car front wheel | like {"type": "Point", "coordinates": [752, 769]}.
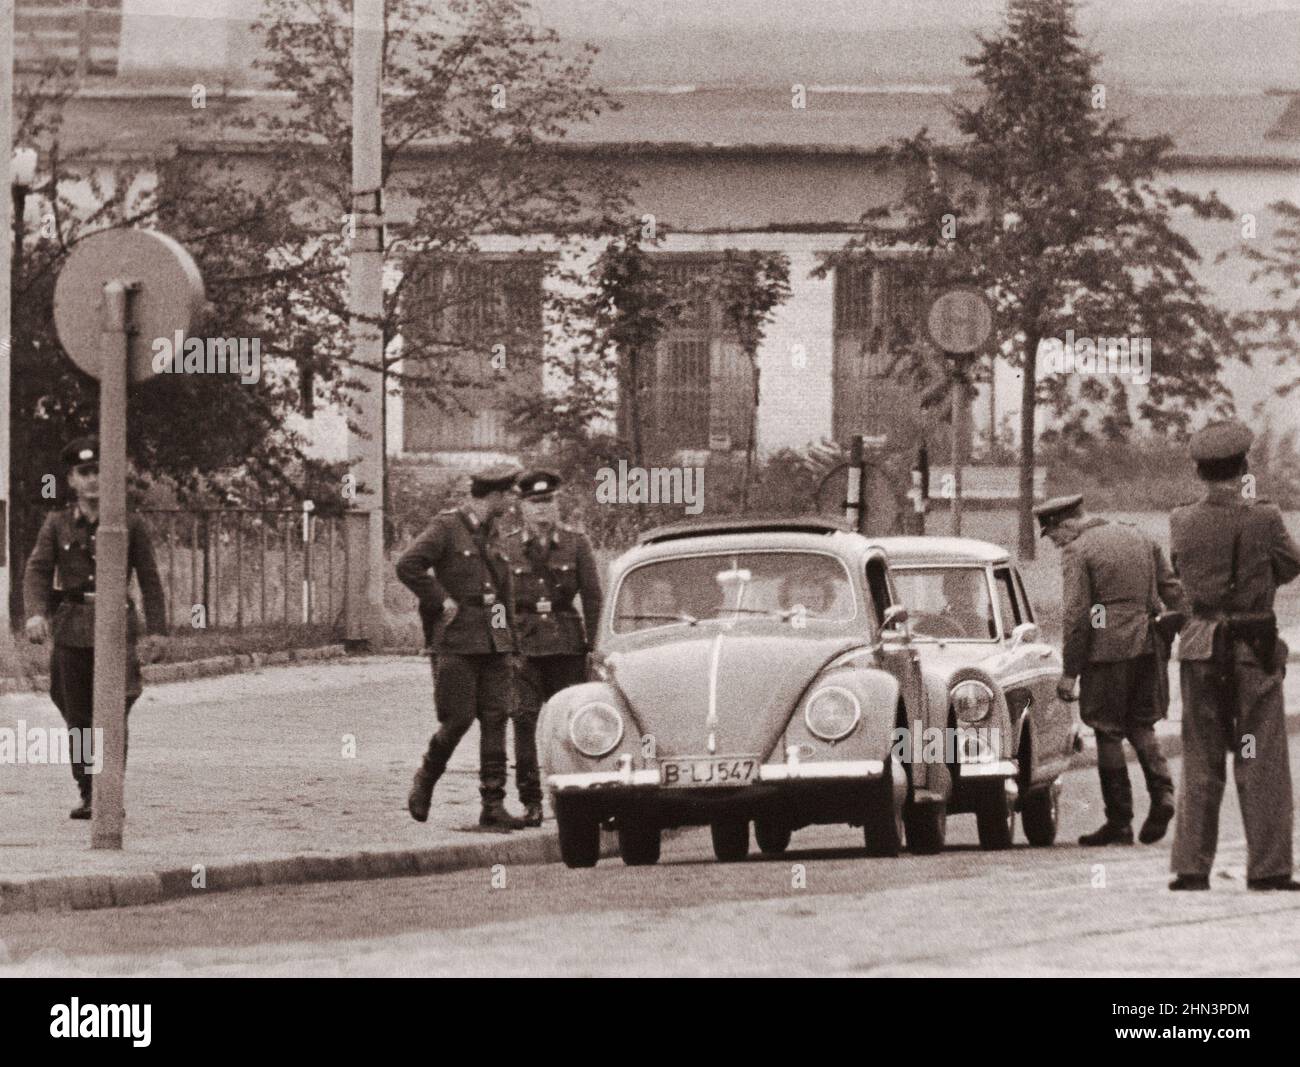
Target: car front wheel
{"type": "Point", "coordinates": [882, 826]}
{"type": "Point", "coordinates": [1039, 815]}
{"type": "Point", "coordinates": [639, 845]}
{"type": "Point", "coordinates": [730, 839]}
{"type": "Point", "coordinates": [579, 832]}
{"type": "Point", "coordinates": [995, 818]}
{"type": "Point", "coordinates": [773, 837]}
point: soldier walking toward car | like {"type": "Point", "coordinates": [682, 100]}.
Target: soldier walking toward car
{"type": "Point", "coordinates": [462, 580]}
{"type": "Point", "coordinates": [59, 596]}
{"type": "Point", "coordinates": [1232, 551]}
{"type": "Point", "coordinates": [553, 565]}
{"type": "Point", "coordinates": [1116, 581]}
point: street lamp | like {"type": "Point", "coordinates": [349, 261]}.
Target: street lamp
{"type": "Point", "coordinates": [22, 178]}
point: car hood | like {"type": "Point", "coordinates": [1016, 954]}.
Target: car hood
{"type": "Point", "coordinates": [751, 681]}
{"type": "Point", "coordinates": [954, 656]}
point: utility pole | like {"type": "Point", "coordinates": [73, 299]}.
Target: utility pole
{"type": "Point", "coordinates": [6, 286]}
{"type": "Point", "coordinates": [366, 299]}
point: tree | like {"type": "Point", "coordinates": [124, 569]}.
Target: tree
{"type": "Point", "coordinates": [231, 441]}
{"type": "Point", "coordinates": [1277, 326]}
{"type": "Point", "coordinates": [1049, 207]}
{"type": "Point", "coordinates": [748, 287]}
{"type": "Point", "coordinates": [477, 101]}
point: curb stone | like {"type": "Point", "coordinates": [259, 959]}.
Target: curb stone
{"type": "Point", "coordinates": [81, 892]}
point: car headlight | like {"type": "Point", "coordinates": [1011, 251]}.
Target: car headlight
{"type": "Point", "coordinates": [596, 728]}
{"type": "Point", "coordinates": [832, 713]}
{"type": "Point", "coordinates": [971, 701]}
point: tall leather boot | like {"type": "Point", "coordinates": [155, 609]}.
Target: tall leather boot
{"type": "Point", "coordinates": [1118, 797]}
{"type": "Point", "coordinates": [83, 810]}
{"type": "Point", "coordinates": [496, 816]}
{"type": "Point", "coordinates": [420, 797]}
{"type": "Point", "coordinates": [1160, 786]}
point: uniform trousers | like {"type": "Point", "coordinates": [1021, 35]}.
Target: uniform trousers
{"type": "Point", "coordinates": [1251, 724]}
{"type": "Point", "coordinates": [469, 686]}
{"type": "Point", "coordinates": [72, 688]}
{"type": "Point", "coordinates": [537, 679]}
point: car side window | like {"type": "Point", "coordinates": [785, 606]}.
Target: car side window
{"type": "Point", "coordinates": [1008, 603]}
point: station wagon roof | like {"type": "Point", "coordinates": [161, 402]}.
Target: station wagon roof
{"type": "Point", "coordinates": [905, 550]}
{"type": "Point", "coordinates": [732, 524]}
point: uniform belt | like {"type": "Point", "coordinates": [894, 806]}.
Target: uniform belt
{"type": "Point", "coordinates": [79, 597]}
{"type": "Point", "coordinates": [477, 600]}
{"type": "Point", "coordinates": [530, 608]}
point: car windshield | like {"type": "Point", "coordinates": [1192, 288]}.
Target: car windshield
{"type": "Point", "coordinates": [793, 587]}
{"type": "Point", "coordinates": [947, 602]}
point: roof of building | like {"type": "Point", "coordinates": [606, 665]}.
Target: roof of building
{"type": "Point", "coordinates": [1260, 129]}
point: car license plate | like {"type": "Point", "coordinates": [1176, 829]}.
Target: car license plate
{"type": "Point", "coordinates": [709, 771]}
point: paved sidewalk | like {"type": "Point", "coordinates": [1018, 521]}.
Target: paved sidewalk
{"type": "Point", "coordinates": [245, 773]}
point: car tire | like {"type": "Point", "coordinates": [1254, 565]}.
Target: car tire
{"type": "Point", "coordinates": [730, 839]}
{"type": "Point", "coordinates": [772, 836]}
{"type": "Point", "coordinates": [639, 845]}
{"type": "Point", "coordinates": [995, 818]}
{"type": "Point", "coordinates": [579, 832]}
{"type": "Point", "coordinates": [882, 824]}
{"type": "Point", "coordinates": [926, 827]}
{"type": "Point", "coordinates": [1039, 815]}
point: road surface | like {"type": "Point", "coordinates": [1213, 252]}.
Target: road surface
{"type": "Point", "coordinates": [821, 909]}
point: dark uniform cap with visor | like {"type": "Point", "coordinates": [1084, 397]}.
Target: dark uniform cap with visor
{"type": "Point", "coordinates": [537, 485]}
{"type": "Point", "coordinates": [494, 479]}
{"type": "Point", "coordinates": [1221, 440]}
{"type": "Point", "coordinates": [81, 450]}
{"type": "Point", "coordinates": [1052, 512]}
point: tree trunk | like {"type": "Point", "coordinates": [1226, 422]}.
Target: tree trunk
{"type": "Point", "coordinates": [1026, 544]}
{"type": "Point", "coordinates": [751, 446]}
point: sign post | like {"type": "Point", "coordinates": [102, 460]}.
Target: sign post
{"type": "Point", "coordinates": [960, 322]}
{"type": "Point", "coordinates": [117, 293]}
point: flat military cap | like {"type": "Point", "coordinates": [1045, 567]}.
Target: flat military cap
{"type": "Point", "coordinates": [1221, 440]}
{"type": "Point", "coordinates": [81, 450]}
{"type": "Point", "coordinates": [498, 478]}
{"type": "Point", "coordinates": [537, 485]}
{"type": "Point", "coordinates": [1051, 512]}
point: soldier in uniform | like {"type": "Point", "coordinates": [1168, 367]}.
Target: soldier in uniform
{"type": "Point", "coordinates": [462, 580]}
{"type": "Point", "coordinates": [1116, 582]}
{"type": "Point", "coordinates": [553, 565]}
{"type": "Point", "coordinates": [1232, 551]}
{"type": "Point", "coordinates": [59, 595]}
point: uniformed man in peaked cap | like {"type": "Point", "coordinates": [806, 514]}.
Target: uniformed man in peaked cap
{"type": "Point", "coordinates": [59, 597]}
{"type": "Point", "coordinates": [462, 580]}
{"type": "Point", "coordinates": [553, 567]}
{"type": "Point", "coordinates": [1232, 550]}
{"type": "Point", "coordinates": [1115, 583]}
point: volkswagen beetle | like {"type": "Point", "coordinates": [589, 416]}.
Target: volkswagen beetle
{"type": "Point", "coordinates": [747, 671]}
{"type": "Point", "coordinates": [971, 625]}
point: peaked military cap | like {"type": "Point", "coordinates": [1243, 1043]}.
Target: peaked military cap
{"type": "Point", "coordinates": [1221, 440]}
{"type": "Point", "coordinates": [497, 478]}
{"type": "Point", "coordinates": [81, 450]}
{"type": "Point", "coordinates": [1050, 513]}
{"type": "Point", "coordinates": [537, 485]}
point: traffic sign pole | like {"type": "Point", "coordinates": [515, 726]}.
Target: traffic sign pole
{"type": "Point", "coordinates": [110, 569]}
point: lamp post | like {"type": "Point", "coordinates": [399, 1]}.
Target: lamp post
{"type": "Point", "coordinates": [22, 177]}
{"type": "Point", "coordinates": [6, 139]}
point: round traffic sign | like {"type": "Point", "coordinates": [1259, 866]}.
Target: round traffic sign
{"type": "Point", "coordinates": [960, 320]}
{"type": "Point", "coordinates": [169, 293]}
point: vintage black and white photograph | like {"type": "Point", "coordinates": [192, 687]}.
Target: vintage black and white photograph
{"type": "Point", "coordinates": [582, 488]}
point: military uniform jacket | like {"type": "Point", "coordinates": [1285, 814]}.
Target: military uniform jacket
{"type": "Point", "coordinates": [1116, 568]}
{"type": "Point", "coordinates": [446, 561]}
{"type": "Point", "coordinates": [63, 561]}
{"type": "Point", "coordinates": [548, 577]}
{"type": "Point", "coordinates": [1200, 538]}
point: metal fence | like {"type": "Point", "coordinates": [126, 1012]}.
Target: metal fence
{"type": "Point", "coordinates": [245, 568]}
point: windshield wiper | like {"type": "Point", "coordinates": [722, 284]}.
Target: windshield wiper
{"type": "Point", "coordinates": [689, 620]}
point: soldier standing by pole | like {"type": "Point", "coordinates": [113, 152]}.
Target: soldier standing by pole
{"type": "Point", "coordinates": [553, 565]}
{"type": "Point", "coordinates": [1116, 581]}
{"type": "Point", "coordinates": [1232, 551]}
{"type": "Point", "coordinates": [459, 574]}
{"type": "Point", "coordinates": [65, 548]}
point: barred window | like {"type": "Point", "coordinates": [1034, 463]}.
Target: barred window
{"type": "Point", "coordinates": [83, 35]}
